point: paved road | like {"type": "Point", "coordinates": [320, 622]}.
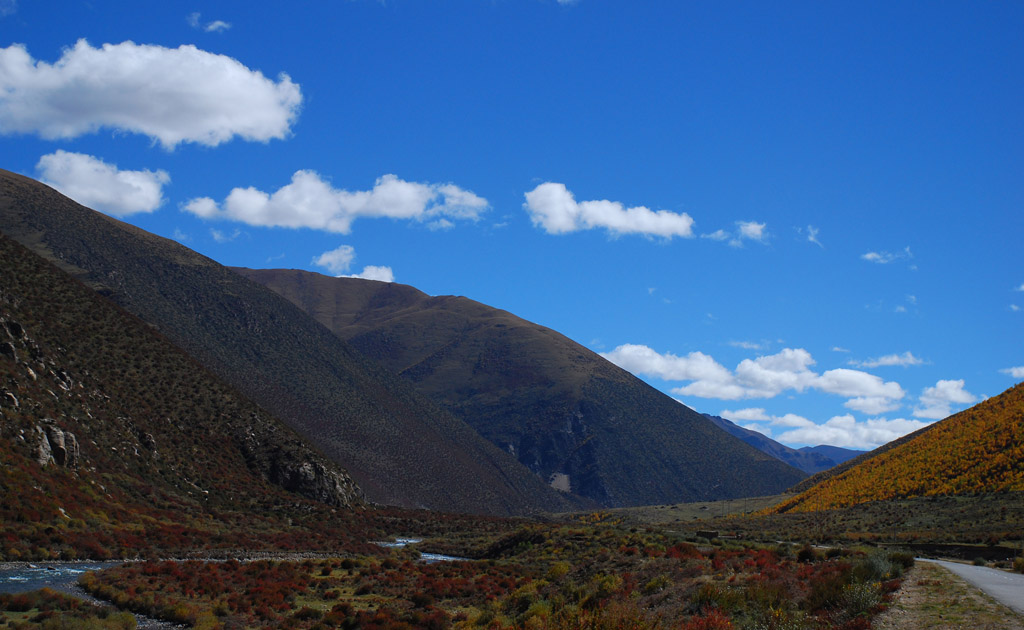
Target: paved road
{"type": "Point", "coordinates": [1006, 587]}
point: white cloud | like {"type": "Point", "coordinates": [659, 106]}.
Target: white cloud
{"type": "Point", "coordinates": [884, 258]}
{"type": "Point", "coordinates": [746, 345]}
{"type": "Point", "coordinates": [812, 236]}
{"type": "Point", "coordinates": [904, 360]}
{"type": "Point", "coordinates": [843, 430]}
{"type": "Point", "coordinates": [371, 272]}
{"type": "Point", "coordinates": [172, 95]}
{"type": "Point", "coordinates": [216, 26]}
{"type": "Point", "coordinates": [752, 230]}
{"type": "Point", "coordinates": [92, 182]}
{"type": "Point", "coordinates": [1020, 288]}
{"type": "Point", "coordinates": [717, 235]}
{"type": "Point", "coordinates": [224, 237]}
{"type": "Point", "coordinates": [340, 259]}
{"type": "Point", "coordinates": [763, 377]}
{"type": "Point", "coordinates": [839, 349]}
{"type": "Point", "coordinates": [1015, 372]}
{"type": "Point", "coordinates": [756, 414]}
{"type": "Point", "coordinates": [337, 260]}
{"type": "Point", "coordinates": [749, 231]}
{"type": "Point", "coordinates": [1014, 308]}
{"type": "Point", "coordinates": [552, 207]}
{"type": "Point", "coordinates": [847, 432]}
{"type": "Point", "coordinates": [937, 402]}
{"type": "Point", "coordinates": [310, 202]}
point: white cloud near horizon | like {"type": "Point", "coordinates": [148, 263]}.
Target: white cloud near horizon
{"type": "Point", "coordinates": [310, 202]}
{"type": "Point", "coordinates": [904, 360]}
{"type": "Point", "coordinates": [884, 258]}
{"type": "Point", "coordinates": [101, 186]}
{"type": "Point", "coordinates": [937, 402]}
{"type": "Point", "coordinates": [340, 259]}
{"type": "Point", "coordinates": [1015, 372]}
{"type": "Point", "coordinates": [172, 95]}
{"type": "Point", "coordinates": [553, 207]}
{"type": "Point", "coordinates": [844, 431]}
{"type": "Point", "coordinates": [763, 377]}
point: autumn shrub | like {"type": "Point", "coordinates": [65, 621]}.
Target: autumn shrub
{"type": "Point", "coordinates": [1018, 564]}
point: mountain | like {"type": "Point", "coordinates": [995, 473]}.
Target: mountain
{"type": "Point", "coordinates": [569, 415]}
{"type": "Point", "coordinates": [401, 448]}
{"type": "Point", "coordinates": [113, 441]}
{"type": "Point", "coordinates": [979, 450]}
{"type": "Point", "coordinates": [837, 454]}
{"type": "Point", "coordinates": [810, 459]}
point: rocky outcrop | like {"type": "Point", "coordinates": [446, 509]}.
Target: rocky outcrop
{"type": "Point", "coordinates": [56, 446]}
{"type": "Point", "coordinates": [313, 479]}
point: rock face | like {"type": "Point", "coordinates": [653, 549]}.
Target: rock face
{"type": "Point", "coordinates": [56, 446]}
{"type": "Point", "coordinates": [313, 479]}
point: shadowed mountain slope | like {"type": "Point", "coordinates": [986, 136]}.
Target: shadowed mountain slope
{"type": "Point", "coordinates": [810, 459]}
{"type": "Point", "coordinates": [400, 447]}
{"type": "Point", "coordinates": [113, 440]}
{"type": "Point", "coordinates": [569, 415]}
{"type": "Point", "coordinates": [979, 450]}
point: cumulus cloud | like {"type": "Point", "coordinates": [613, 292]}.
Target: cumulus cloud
{"type": "Point", "coordinates": [339, 260]}
{"type": "Point", "coordinates": [172, 95]}
{"type": "Point", "coordinates": [372, 272]}
{"type": "Point", "coordinates": [1015, 372]}
{"type": "Point", "coordinates": [216, 26]}
{"type": "Point", "coordinates": [847, 432]}
{"type": "Point", "coordinates": [904, 360]}
{"type": "Point", "coordinates": [763, 377]}
{"type": "Point", "coordinates": [751, 230]}
{"type": "Point", "coordinates": [94, 183]}
{"type": "Point", "coordinates": [937, 402]}
{"type": "Point", "coordinates": [310, 202]}
{"type": "Point", "coordinates": [552, 207]}
{"type": "Point", "coordinates": [884, 258]}
{"type": "Point", "coordinates": [844, 430]}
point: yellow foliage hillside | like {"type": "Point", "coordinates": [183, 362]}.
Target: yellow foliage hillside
{"type": "Point", "coordinates": [977, 450]}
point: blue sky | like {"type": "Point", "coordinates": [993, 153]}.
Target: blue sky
{"type": "Point", "coordinates": [805, 217]}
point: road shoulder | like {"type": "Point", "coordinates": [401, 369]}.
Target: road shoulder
{"type": "Point", "coordinates": [933, 597]}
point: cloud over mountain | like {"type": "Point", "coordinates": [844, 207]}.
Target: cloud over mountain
{"type": "Point", "coordinates": [92, 182]}
{"type": "Point", "coordinates": [311, 202]}
{"type": "Point", "coordinates": [763, 377]}
{"type": "Point", "coordinates": [172, 95]}
{"type": "Point", "coordinates": [936, 402]}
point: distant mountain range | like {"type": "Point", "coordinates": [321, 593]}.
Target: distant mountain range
{"type": "Point", "coordinates": [570, 416]}
{"type": "Point", "coordinates": [810, 459]}
{"type": "Point", "coordinates": [979, 450]}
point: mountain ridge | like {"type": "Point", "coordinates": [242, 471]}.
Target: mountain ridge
{"type": "Point", "coordinates": [400, 447]}
{"type": "Point", "coordinates": [566, 413]}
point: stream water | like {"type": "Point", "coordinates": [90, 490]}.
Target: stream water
{"type": "Point", "coordinates": [63, 577]}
